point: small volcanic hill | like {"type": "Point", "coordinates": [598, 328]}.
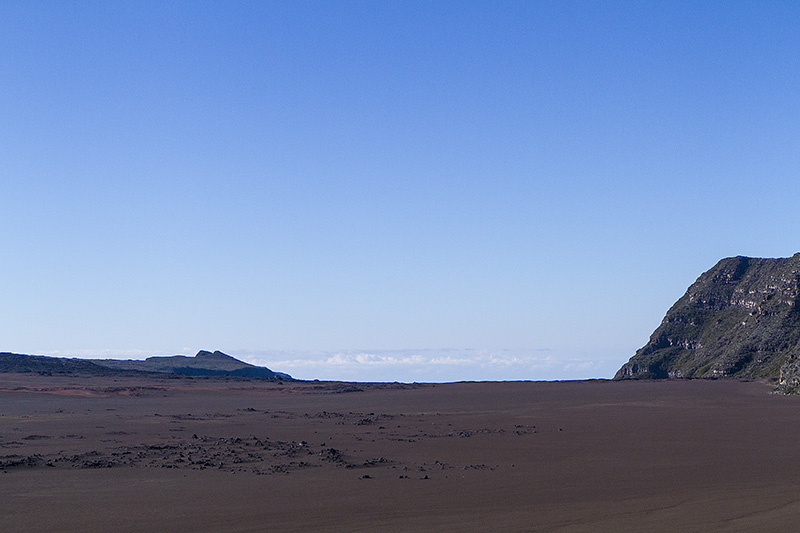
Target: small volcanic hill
{"type": "Point", "coordinates": [203, 364]}
{"type": "Point", "coordinates": [740, 319]}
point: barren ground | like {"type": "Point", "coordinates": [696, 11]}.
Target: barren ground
{"type": "Point", "coordinates": [212, 454]}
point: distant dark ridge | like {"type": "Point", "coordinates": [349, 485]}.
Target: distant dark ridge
{"type": "Point", "coordinates": [203, 364]}
{"type": "Point", "coordinates": [256, 372]}
{"type": "Point", "coordinates": [740, 319]}
{"type": "Point", "coordinates": [19, 363]}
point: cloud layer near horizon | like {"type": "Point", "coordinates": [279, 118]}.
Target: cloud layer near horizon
{"type": "Point", "coordinates": [432, 365]}
{"type": "Point", "coordinates": [403, 365]}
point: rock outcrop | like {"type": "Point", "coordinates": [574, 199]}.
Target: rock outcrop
{"type": "Point", "coordinates": [789, 379]}
{"type": "Point", "coordinates": [739, 319]}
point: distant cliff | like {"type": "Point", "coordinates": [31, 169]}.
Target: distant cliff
{"type": "Point", "coordinates": [739, 319]}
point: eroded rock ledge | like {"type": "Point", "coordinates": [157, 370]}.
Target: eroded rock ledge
{"type": "Point", "coordinates": [740, 319]}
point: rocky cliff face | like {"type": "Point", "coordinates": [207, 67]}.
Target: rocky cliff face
{"type": "Point", "coordinates": [739, 319]}
{"type": "Point", "coordinates": [789, 379]}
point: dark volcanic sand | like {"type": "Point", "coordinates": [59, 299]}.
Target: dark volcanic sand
{"type": "Point", "coordinates": [103, 454]}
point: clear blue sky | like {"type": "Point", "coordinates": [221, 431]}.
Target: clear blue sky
{"type": "Point", "coordinates": [386, 190]}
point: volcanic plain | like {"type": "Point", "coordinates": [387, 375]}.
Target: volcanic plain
{"type": "Point", "coordinates": [103, 453]}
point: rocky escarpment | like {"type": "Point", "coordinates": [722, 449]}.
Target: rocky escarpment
{"type": "Point", "coordinates": [739, 319]}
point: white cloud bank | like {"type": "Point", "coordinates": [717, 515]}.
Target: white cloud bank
{"type": "Point", "coordinates": [431, 365]}
{"type": "Point", "coordinates": [423, 365]}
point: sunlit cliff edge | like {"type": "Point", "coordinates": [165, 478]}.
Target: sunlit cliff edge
{"type": "Point", "coordinates": [740, 319]}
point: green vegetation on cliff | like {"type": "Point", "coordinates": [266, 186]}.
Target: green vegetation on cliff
{"type": "Point", "coordinates": [739, 319]}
